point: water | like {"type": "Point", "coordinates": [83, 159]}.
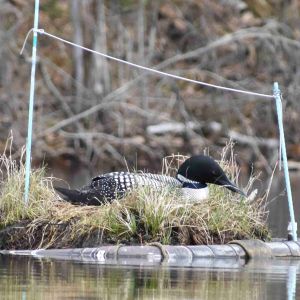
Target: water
{"type": "Point", "coordinates": [279, 213]}
{"type": "Point", "coordinates": [32, 278]}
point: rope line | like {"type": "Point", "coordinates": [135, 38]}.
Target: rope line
{"type": "Point", "coordinates": [43, 32]}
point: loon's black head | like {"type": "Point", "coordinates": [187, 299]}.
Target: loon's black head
{"type": "Point", "coordinates": [204, 169]}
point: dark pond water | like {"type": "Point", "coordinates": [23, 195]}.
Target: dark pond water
{"type": "Point", "coordinates": [278, 205]}
{"type": "Point", "coordinates": [32, 278]}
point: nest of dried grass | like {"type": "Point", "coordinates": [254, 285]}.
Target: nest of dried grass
{"type": "Point", "coordinates": [143, 216]}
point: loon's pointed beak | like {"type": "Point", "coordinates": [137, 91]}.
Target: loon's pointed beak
{"type": "Point", "coordinates": [229, 185]}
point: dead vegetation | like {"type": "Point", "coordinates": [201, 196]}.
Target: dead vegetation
{"type": "Point", "coordinates": [142, 217]}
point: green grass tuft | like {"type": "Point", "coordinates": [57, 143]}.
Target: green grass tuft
{"type": "Point", "coordinates": [12, 205]}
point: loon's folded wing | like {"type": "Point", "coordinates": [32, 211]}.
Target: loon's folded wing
{"type": "Point", "coordinates": [107, 187]}
{"type": "Point", "coordinates": [101, 190]}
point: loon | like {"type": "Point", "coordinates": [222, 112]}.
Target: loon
{"type": "Point", "coordinates": [192, 178]}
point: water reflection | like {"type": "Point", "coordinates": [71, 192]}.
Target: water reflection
{"type": "Point", "coordinates": [291, 282]}
{"type": "Point", "coordinates": [29, 278]}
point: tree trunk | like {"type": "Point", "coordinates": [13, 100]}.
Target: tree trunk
{"type": "Point", "coordinates": [77, 52]}
{"type": "Point", "coordinates": [101, 68]}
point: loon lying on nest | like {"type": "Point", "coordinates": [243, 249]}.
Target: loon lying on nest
{"type": "Point", "coordinates": [192, 177]}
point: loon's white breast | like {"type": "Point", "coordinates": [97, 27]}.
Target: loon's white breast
{"type": "Point", "coordinates": [195, 195]}
{"type": "Point", "coordinates": [191, 190]}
